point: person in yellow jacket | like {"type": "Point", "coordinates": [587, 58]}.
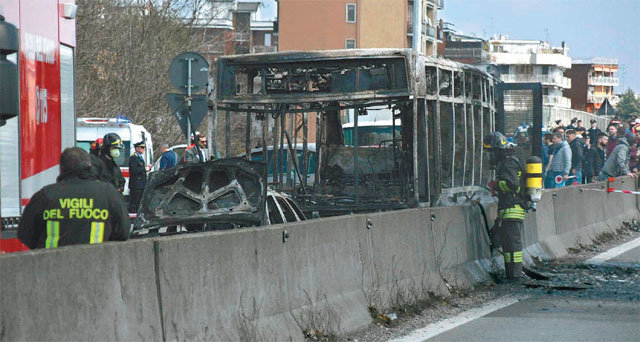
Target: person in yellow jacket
{"type": "Point", "coordinates": [509, 187]}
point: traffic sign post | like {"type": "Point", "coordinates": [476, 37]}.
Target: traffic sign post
{"type": "Point", "coordinates": [189, 74]}
{"type": "Point", "coordinates": [188, 119]}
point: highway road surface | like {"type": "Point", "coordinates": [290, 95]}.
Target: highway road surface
{"type": "Point", "coordinates": [594, 300]}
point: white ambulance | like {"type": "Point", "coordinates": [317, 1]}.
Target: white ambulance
{"type": "Point", "coordinates": [90, 129]}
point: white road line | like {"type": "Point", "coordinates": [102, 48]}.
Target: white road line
{"type": "Point", "coordinates": [613, 252]}
{"type": "Point", "coordinates": [438, 328]}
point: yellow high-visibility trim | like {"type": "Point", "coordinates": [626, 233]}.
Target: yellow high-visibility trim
{"type": "Point", "coordinates": [53, 234]}
{"type": "Point", "coordinates": [517, 256]}
{"type": "Point", "coordinates": [97, 232]}
{"type": "Point", "coordinates": [512, 213]}
{"type": "Point", "coordinates": [503, 186]}
{"type": "Point", "coordinates": [507, 257]}
{"type": "Point", "coordinates": [534, 168]}
{"type": "Point", "coordinates": [534, 182]}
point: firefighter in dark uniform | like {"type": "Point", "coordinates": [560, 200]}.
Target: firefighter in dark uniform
{"type": "Point", "coordinates": [509, 187]}
{"type": "Point", "coordinates": [109, 152]}
{"type": "Point", "coordinates": [76, 209]}
{"type": "Point", "coordinates": [94, 153]}
{"type": "Point", "coordinates": [137, 176]}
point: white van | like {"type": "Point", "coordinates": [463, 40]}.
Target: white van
{"type": "Point", "coordinates": [90, 129]}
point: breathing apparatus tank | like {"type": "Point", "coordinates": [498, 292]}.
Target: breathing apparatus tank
{"type": "Point", "coordinates": [534, 178]}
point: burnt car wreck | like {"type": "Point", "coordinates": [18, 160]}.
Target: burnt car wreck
{"type": "Point", "coordinates": [221, 194]}
{"type": "Point", "coordinates": [429, 153]}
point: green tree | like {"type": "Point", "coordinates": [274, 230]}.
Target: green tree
{"type": "Point", "coordinates": [629, 105]}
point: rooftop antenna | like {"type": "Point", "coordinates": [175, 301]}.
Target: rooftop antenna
{"type": "Point", "coordinates": [546, 33]}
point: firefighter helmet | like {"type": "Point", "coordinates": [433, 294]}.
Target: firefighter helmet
{"type": "Point", "coordinates": [494, 140]}
{"type": "Point", "coordinates": [96, 144]}
{"type": "Point", "coordinates": [111, 140]}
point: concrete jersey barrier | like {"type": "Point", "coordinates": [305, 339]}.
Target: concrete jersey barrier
{"type": "Point", "coordinates": [276, 282]}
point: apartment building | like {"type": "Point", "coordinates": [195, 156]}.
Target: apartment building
{"type": "Point", "coordinates": [239, 27]}
{"type": "Point", "coordinates": [592, 81]}
{"type": "Point", "coordinates": [521, 61]}
{"type": "Point", "coordinates": [348, 24]}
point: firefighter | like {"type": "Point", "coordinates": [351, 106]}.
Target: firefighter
{"type": "Point", "coordinates": [76, 209]}
{"type": "Point", "coordinates": [94, 153]}
{"type": "Point", "coordinates": [510, 189]}
{"type": "Point", "coordinates": [109, 152]}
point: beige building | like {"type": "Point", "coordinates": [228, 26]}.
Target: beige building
{"type": "Point", "coordinates": [348, 24]}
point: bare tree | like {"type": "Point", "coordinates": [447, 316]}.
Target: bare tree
{"type": "Point", "coordinates": [124, 48]}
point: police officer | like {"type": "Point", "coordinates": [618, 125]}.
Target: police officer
{"type": "Point", "coordinates": [76, 209]}
{"type": "Point", "coordinates": [109, 152]}
{"type": "Point", "coordinates": [509, 187]}
{"type": "Point", "coordinates": [137, 176]}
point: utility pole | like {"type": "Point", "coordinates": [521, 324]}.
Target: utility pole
{"type": "Point", "coordinates": [417, 26]}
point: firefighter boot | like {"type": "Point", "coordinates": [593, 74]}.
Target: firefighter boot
{"type": "Point", "coordinates": [512, 247]}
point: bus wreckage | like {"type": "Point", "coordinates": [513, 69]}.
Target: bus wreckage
{"type": "Point", "coordinates": [296, 103]}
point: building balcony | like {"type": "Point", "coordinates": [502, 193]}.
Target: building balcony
{"type": "Point", "coordinates": [600, 98]}
{"type": "Point", "coordinates": [558, 101]}
{"type": "Point", "coordinates": [562, 82]}
{"type": "Point", "coordinates": [435, 3]}
{"type": "Point", "coordinates": [604, 81]}
{"type": "Point", "coordinates": [263, 49]}
{"type": "Point", "coordinates": [554, 59]}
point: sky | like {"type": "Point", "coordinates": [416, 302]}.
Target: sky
{"type": "Point", "coordinates": [591, 28]}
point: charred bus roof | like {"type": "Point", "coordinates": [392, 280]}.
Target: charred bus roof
{"type": "Point", "coordinates": [299, 77]}
{"type": "Point", "coordinates": [333, 75]}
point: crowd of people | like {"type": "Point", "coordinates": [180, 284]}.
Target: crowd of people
{"type": "Point", "coordinates": [573, 154]}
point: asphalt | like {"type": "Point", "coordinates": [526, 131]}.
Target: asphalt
{"type": "Point", "coordinates": [581, 302]}
{"type": "Point", "coordinates": [553, 319]}
{"type": "Point", "coordinates": [632, 256]}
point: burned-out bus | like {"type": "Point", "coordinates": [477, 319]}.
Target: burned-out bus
{"type": "Point", "coordinates": [439, 111]}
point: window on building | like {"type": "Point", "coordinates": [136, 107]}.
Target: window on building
{"type": "Point", "coordinates": [351, 13]}
{"type": "Point", "coordinates": [504, 69]}
{"type": "Point", "coordinates": [350, 44]}
{"type": "Point", "coordinates": [267, 39]}
{"type": "Point", "coordinates": [545, 70]}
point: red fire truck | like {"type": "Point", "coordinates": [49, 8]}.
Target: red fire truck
{"type": "Point", "coordinates": [37, 102]}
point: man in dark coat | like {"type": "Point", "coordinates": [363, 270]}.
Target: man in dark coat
{"type": "Point", "coordinates": [76, 209]}
{"type": "Point", "coordinates": [137, 176]}
{"type": "Point", "coordinates": [593, 133]}
{"type": "Point", "coordinates": [109, 152]}
{"type": "Point", "coordinates": [577, 155]}
{"type": "Point", "coordinates": [601, 153]}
